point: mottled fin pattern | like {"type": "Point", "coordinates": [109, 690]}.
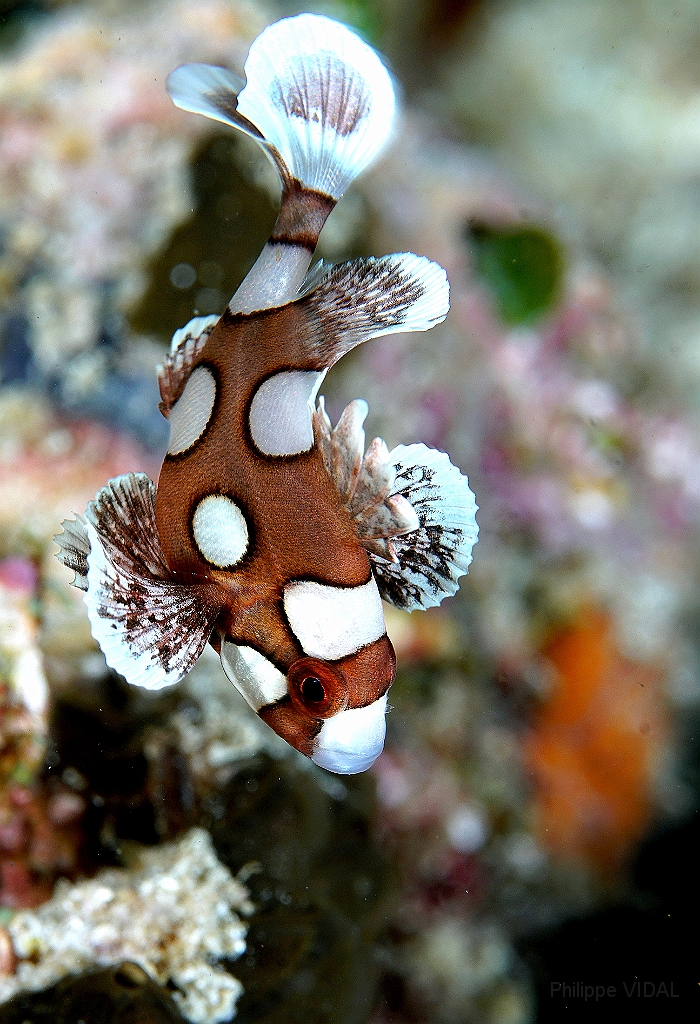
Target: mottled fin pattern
{"type": "Point", "coordinates": [74, 548]}
{"type": "Point", "coordinates": [151, 629]}
{"type": "Point", "coordinates": [429, 560]}
{"type": "Point", "coordinates": [176, 368]}
{"type": "Point", "coordinates": [414, 511]}
{"type": "Point", "coordinates": [365, 480]}
{"type": "Point", "coordinates": [366, 298]}
{"type": "Point", "coordinates": [316, 96]}
{"type": "Point", "coordinates": [342, 448]}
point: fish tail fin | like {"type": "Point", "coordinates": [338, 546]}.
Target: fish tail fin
{"type": "Point", "coordinates": [321, 103]}
{"type": "Point", "coordinates": [322, 97]}
{"type": "Point", "coordinates": [74, 548]}
{"type": "Point", "coordinates": [316, 97]}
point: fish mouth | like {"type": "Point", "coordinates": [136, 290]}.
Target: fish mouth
{"type": "Point", "coordinates": [351, 741]}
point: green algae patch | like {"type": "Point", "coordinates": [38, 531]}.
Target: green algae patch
{"type": "Point", "coordinates": [522, 267]}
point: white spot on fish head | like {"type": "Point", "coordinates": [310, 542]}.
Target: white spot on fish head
{"type": "Point", "coordinates": [220, 531]}
{"type": "Point", "coordinates": [351, 741]}
{"type": "Point", "coordinates": [334, 622]}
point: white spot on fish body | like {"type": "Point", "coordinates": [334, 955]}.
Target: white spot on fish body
{"type": "Point", "coordinates": [220, 531]}
{"type": "Point", "coordinates": [280, 413]}
{"type": "Point", "coordinates": [334, 622]}
{"type": "Point", "coordinates": [191, 413]}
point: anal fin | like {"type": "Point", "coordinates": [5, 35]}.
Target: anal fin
{"type": "Point", "coordinates": [185, 349]}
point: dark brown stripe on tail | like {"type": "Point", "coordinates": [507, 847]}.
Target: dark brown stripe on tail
{"type": "Point", "coordinates": [302, 215]}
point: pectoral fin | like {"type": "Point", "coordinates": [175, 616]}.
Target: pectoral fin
{"type": "Point", "coordinates": [151, 628]}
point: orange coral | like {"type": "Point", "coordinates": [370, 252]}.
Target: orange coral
{"type": "Point", "coordinates": [594, 745]}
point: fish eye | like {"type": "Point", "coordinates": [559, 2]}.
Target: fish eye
{"type": "Point", "coordinates": [312, 689]}
{"type": "Point", "coordinates": [316, 688]}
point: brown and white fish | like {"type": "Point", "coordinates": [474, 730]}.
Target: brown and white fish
{"type": "Point", "coordinates": [271, 535]}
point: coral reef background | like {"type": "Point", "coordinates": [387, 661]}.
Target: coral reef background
{"type": "Point", "coordinates": [533, 820]}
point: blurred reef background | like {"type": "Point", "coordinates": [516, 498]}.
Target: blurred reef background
{"type": "Point", "coordinates": [533, 821]}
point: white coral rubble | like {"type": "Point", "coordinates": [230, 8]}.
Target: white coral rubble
{"type": "Point", "coordinates": [175, 913]}
{"type": "Point", "coordinates": [24, 691]}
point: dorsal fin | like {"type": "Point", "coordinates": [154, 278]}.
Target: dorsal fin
{"type": "Point", "coordinates": [365, 480]}
{"type": "Point", "coordinates": [428, 561]}
{"type": "Point", "coordinates": [366, 298]}
{"type": "Point", "coordinates": [413, 510]}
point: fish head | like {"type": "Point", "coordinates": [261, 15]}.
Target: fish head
{"type": "Point", "coordinates": [335, 711]}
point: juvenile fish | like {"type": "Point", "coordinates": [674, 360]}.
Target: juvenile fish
{"type": "Point", "coordinates": [272, 535]}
